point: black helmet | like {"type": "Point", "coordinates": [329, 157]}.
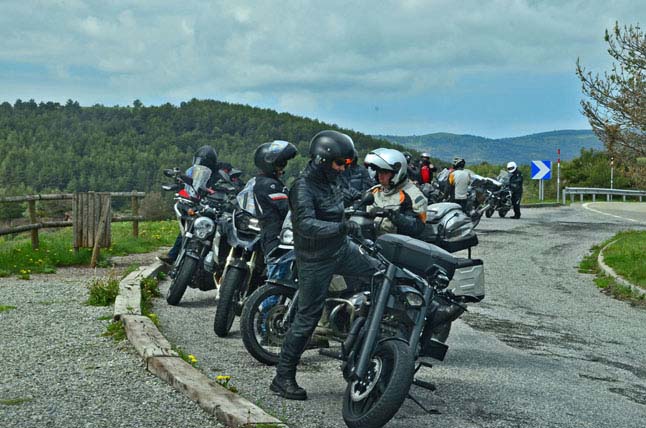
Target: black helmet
{"type": "Point", "coordinates": [328, 146]}
{"type": "Point", "coordinates": [207, 156]}
{"type": "Point", "coordinates": [458, 162]}
{"type": "Point", "coordinates": [270, 156]}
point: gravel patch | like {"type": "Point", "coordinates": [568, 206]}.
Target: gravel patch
{"type": "Point", "coordinates": [58, 371]}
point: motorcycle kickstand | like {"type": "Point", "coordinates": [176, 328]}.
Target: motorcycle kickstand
{"type": "Point", "coordinates": [423, 384]}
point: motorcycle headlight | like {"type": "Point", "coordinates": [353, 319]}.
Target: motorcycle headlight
{"type": "Point", "coordinates": [203, 227]}
{"type": "Point", "coordinates": [247, 223]}
{"type": "Point", "coordinates": [414, 300]}
{"type": "Point", "coordinates": [287, 237]}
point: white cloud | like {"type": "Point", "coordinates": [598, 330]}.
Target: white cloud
{"type": "Point", "coordinates": [296, 51]}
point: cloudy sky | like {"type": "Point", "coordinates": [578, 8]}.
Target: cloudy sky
{"type": "Point", "coordinates": [493, 68]}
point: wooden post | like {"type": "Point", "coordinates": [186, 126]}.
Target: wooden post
{"type": "Point", "coordinates": [33, 220]}
{"type": "Point", "coordinates": [105, 212]}
{"type": "Point", "coordinates": [135, 212]}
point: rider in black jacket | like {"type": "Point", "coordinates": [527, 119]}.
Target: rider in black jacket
{"type": "Point", "coordinates": [270, 192]}
{"type": "Point", "coordinates": [322, 248]}
{"type": "Point", "coordinates": [516, 187]}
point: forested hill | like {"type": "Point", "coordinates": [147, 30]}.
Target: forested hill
{"type": "Point", "coordinates": [497, 151]}
{"type": "Point", "coordinates": [49, 146]}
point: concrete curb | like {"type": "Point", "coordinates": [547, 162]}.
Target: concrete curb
{"type": "Point", "coordinates": [229, 408]}
{"type": "Point", "coordinates": [542, 205]}
{"type": "Point", "coordinates": [610, 272]}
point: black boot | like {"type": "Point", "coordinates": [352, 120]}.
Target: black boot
{"type": "Point", "coordinates": [288, 388]}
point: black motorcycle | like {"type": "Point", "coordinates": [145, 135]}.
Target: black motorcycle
{"type": "Point", "coordinates": [244, 266]}
{"type": "Point", "coordinates": [197, 209]}
{"type": "Point", "coordinates": [394, 325]}
{"type": "Point", "coordinates": [268, 312]}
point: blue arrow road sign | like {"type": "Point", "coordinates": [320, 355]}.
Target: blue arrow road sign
{"type": "Point", "coordinates": [541, 170]}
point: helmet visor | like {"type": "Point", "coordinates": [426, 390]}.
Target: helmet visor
{"type": "Point", "coordinates": [343, 161]}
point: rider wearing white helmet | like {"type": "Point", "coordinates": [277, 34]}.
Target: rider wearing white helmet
{"type": "Point", "coordinates": [396, 194]}
{"type": "Point", "coordinates": [516, 187]}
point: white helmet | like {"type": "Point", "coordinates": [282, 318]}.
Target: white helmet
{"type": "Point", "coordinates": [388, 160]}
{"type": "Point", "coordinates": [511, 166]}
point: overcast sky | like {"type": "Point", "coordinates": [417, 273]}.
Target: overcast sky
{"type": "Point", "coordinates": [491, 68]}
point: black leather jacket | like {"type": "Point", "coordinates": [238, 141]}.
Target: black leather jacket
{"type": "Point", "coordinates": [516, 182]}
{"type": "Point", "coordinates": [317, 215]}
{"type": "Point", "coordinates": [271, 195]}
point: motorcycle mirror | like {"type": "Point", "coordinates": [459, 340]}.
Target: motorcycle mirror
{"type": "Point", "coordinates": [169, 187]}
{"type": "Point", "coordinates": [170, 172]}
{"type": "Point", "coordinates": [367, 199]}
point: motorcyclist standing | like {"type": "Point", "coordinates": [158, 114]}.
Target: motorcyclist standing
{"type": "Point", "coordinates": [459, 180]}
{"type": "Point", "coordinates": [396, 194]}
{"type": "Point", "coordinates": [270, 193]}
{"type": "Point", "coordinates": [516, 187]}
{"type": "Point", "coordinates": [321, 246]}
{"type": "Point", "coordinates": [413, 171]}
{"type": "Point", "coordinates": [426, 169]}
{"type": "Point", "coordinates": [356, 176]}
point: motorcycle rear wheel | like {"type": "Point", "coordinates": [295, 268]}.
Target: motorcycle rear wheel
{"type": "Point", "coordinates": [225, 312]}
{"type": "Point", "coordinates": [261, 323]}
{"type": "Point", "coordinates": [180, 282]}
{"type": "Point", "coordinates": [373, 402]}
{"type": "Point", "coordinates": [489, 212]}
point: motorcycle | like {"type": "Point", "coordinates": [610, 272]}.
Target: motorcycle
{"type": "Point", "coordinates": [269, 310]}
{"type": "Point", "coordinates": [197, 209]}
{"type": "Point", "coordinates": [244, 266]}
{"type": "Point", "coordinates": [395, 323]}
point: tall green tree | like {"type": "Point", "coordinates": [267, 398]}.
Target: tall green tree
{"type": "Point", "coordinates": [615, 102]}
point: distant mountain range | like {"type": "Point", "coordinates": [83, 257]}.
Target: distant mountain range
{"type": "Point", "coordinates": [523, 150]}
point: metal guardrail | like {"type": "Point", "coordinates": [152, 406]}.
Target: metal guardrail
{"type": "Point", "coordinates": [597, 191]}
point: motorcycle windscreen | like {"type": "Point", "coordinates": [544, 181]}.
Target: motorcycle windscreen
{"type": "Point", "coordinates": [200, 175]}
{"type": "Point", "coordinates": [246, 199]}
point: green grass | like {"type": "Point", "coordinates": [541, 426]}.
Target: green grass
{"type": "Point", "coordinates": [4, 308]}
{"type": "Point", "coordinates": [116, 330]}
{"type": "Point", "coordinates": [627, 258]}
{"type": "Point", "coordinates": [56, 249]}
{"type": "Point", "coordinates": [103, 291]}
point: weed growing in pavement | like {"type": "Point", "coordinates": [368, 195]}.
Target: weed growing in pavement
{"type": "Point", "coordinates": [15, 401]}
{"type": "Point", "coordinates": [149, 289]}
{"type": "Point", "coordinates": [189, 358]}
{"type": "Point", "coordinates": [103, 291]}
{"type": "Point", "coordinates": [24, 274]}
{"type": "Point", "coordinates": [4, 308]}
{"type": "Point", "coordinates": [116, 330]}
{"type": "Point", "coordinates": [224, 381]}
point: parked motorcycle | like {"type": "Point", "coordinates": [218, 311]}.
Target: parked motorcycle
{"type": "Point", "coordinates": [268, 312]}
{"type": "Point", "coordinates": [244, 266]}
{"type": "Point", "coordinates": [197, 209]}
{"type": "Point", "coordinates": [394, 324]}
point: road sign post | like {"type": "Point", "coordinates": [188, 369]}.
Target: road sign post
{"type": "Point", "coordinates": [541, 170]}
{"type": "Point", "coordinates": [558, 175]}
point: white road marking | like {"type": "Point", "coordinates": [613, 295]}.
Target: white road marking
{"type": "Point", "coordinates": [611, 215]}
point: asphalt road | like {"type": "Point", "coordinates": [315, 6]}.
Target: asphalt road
{"type": "Point", "coordinates": [544, 349]}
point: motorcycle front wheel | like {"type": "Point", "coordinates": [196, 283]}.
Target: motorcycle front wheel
{"type": "Point", "coordinates": [374, 400]}
{"type": "Point", "coordinates": [225, 312]}
{"type": "Point", "coordinates": [502, 213]}
{"type": "Point", "coordinates": [489, 212]}
{"type": "Point", "coordinates": [180, 282]}
{"type": "Point", "coordinates": [263, 324]}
